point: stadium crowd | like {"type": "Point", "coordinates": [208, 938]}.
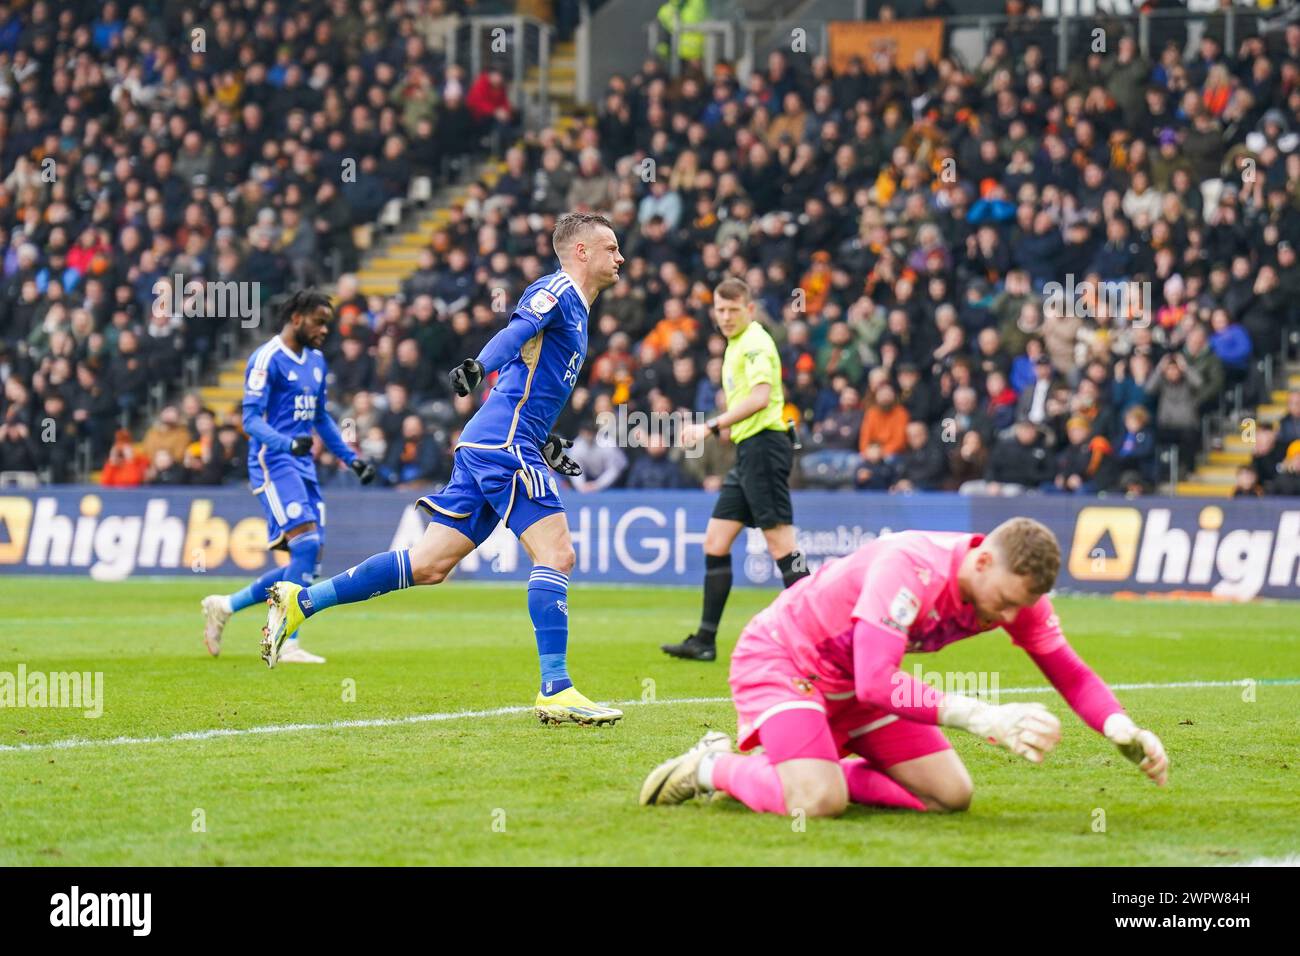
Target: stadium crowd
{"type": "Point", "coordinates": [223, 142]}
{"type": "Point", "coordinates": [901, 230]}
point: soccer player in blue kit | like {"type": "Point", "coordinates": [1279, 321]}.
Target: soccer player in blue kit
{"type": "Point", "coordinates": [284, 401]}
{"type": "Point", "coordinates": [501, 470]}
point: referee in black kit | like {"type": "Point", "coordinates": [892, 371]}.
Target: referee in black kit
{"type": "Point", "coordinates": [756, 492]}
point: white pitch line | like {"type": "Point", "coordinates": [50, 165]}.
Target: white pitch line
{"type": "Point", "coordinates": [77, 743]}
{"type": "Point", "coordinates": [1173, 685]}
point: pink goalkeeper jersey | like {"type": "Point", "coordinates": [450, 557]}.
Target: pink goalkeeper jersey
{"type": "Point", "coordinates": [905, 584]}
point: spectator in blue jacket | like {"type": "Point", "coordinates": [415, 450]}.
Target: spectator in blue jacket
{"type": "Point", "coordinates": [415, 459]}
{"type": "Point", "coordinates": [1023, 372]}
{"type": "Point", "coordinates": [654, 470]}
{"type": "Point", "coordinates": [1117, 257]}
{"type": "Point", "coordinates": [1129, 388]}
{"type": "Point", "coordinates": [995, 207]}
{"type": "Point", "coordinates": [1231, 343]}
{"type": "Point", "coordinates": [1038, 251]}
{"type": "Point", "coordinates": [1136, 448]}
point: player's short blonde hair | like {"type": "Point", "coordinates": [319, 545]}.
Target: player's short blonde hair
{"type": "Point", "coordinates": [1029, 550]}
{"type": "Point", "coordinates": [571, 227]}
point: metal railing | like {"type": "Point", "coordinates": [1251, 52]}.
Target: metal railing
{"type": "Point", "coordinates": [1175, 475]}
{"type": "Point", "coordinates": [582, 48]}
{"type": "Point", "coordinates": [513, 44]}
{"type": "Point", "coordinates": [761, 37]}
{"type": "Point", "coordinates": [713, 31]}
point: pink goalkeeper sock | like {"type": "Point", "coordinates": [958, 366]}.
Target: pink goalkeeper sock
{"type": "Point", "coordinates": [752, 780]}
{"type": "Point", "coordinates": [873, 788]}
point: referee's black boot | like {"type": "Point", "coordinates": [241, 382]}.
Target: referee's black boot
{"type": "Point", "coordinates": [694, 648]}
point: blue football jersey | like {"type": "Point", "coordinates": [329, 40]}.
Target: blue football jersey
{"type": "Point", "coordinates": [288, 391]}
{"type": "Point", "coordinates": [534, 386]}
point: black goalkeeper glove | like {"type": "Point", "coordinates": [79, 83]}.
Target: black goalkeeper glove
{"type": "Point", "coordinates": [466, 376]}
{"type": "Point", "coordinates": [363, 470]}
{"type": "Point", "coordinates": [300, 446]}
{"type": "Point", "coordinates": [553, 452]}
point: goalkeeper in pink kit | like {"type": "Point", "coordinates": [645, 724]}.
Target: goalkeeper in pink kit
{"type": "Point", "coordinates": [815, 680]}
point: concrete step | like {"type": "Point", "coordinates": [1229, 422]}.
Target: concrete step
{"type": "Point", "coordinates": [380, 275]}
{"type": "Point", "coordinates": [560, 70]}
{"type": "Point", "coordinates": [225, 391]}
{"type": "Point", "coordinates": [410, 242]}
{"type": "Point", "coordinates": [221, 399]}
{"type": "Point", "coordinates": [436, 221]}
{"type": "Point", "coordinates": [560, 94]}
{"type": "Point", "coordinates": [401, 253]}
{"type": "Point", "coordinates": [558, 81]}
{"type": "Point", "coordinates": [1216, 474]}
{"type": "Point", "coordinates": [385, 266]}
{"type": "Point", "coordinates": [1196, 489]}
{"type": "Point", "coordinates": [379, 286]}
{"type": "Point", "coordinates": [1233, 458]}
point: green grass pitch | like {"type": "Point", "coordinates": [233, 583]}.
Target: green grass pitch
{"type": "Point", "coordinates": [499, 788]}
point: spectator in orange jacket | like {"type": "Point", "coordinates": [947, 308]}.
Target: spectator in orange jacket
{"type": "Point", "coordinates": [885, 423]}
{"type": "Point", "coordinates": [125, 467]}
{"type": "Point", "coordinates": [676, 319]}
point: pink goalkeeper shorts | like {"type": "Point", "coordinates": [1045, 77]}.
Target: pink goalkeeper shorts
{"type": "Point", "coordinates": [765, 682]}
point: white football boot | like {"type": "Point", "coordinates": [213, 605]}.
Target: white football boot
{"type": "Point", "coordinates": [216, 612]}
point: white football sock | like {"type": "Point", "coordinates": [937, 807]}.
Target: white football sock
{"type": "Point", "coordinates": [704, 774]}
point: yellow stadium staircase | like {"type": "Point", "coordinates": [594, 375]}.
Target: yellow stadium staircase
{"type": "Point", "coordinates": [562, 83]}
{"type": "Point", "coordinates": [1216, 475]}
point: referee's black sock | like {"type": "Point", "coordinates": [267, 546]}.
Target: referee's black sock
{"type": "Point", "coordinates": [793, 567]}
{"type": "Point", "coordinates": [717, 586]}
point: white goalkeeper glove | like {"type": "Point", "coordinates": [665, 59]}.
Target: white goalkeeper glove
{"type": "Point", "coordinates": [1030, 730]}
{"type": "Point", "coordinates": [1141, 746]}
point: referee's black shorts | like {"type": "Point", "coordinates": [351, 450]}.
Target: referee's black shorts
{"type": "Point", "coordinates": [756, 491]}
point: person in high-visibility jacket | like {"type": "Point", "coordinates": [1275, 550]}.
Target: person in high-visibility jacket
{"type": "Point", "coordinates": [678, 14]}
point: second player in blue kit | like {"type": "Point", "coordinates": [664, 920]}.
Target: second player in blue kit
{"type": "Point", "coordinates": [284, 403]}
{"type": "Point", "coordinates": [502, 470]}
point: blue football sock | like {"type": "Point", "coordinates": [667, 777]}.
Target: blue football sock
{"type": "Point", "coordinates": [548, 606]}
{"type": "Point", "coordinates": [378, 574]}
{"type": "Point", "coordinates": [257, 592]}
{"type": "Point", "coordinates": [304, 555]}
